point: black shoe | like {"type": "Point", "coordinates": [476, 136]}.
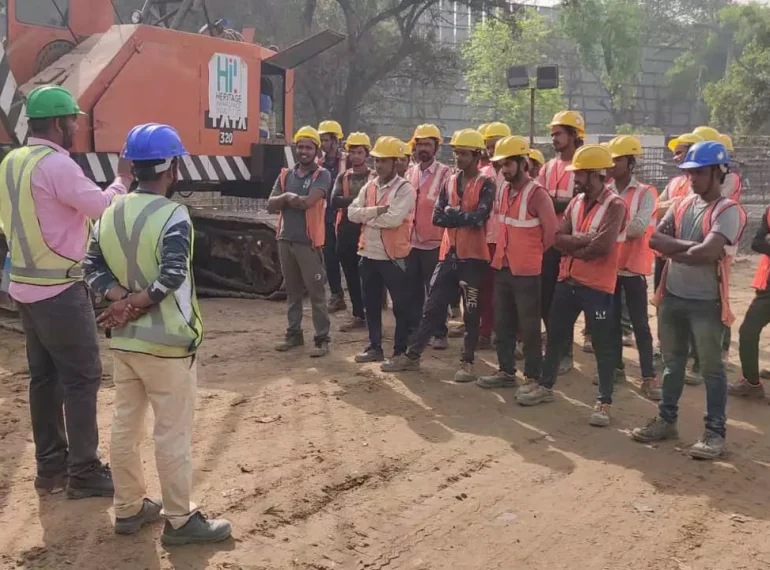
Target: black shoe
{"type": "Point", "coordinates": [51, 484]}
{"type": "Point", "coordinates": [94, 483]}
{"type": "Point", "coordinates": [370, 355]}
{"type": "Point", "coordinates": [197, 530]}
{"type": "Point", "coordinates": [149, 513]}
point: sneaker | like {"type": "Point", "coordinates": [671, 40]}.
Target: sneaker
{"type": "Point", "coordinates": [709, 446]}
{"type": "Point", "coordinates": [693, 378]}
{"type": "Point", "coordinates": [454, 312]}
{"type": "Point", "coordinates": [484, 343]}
{"type": "Point", "coordinates": [588, 344]}
{"type": "Point", "coordinates": [519, 354]}
{"type": "Point", "coordinates": [440, 343]}
{"type": "Point", "coordinates": [198, 529]}
{"type": "Point", "coordinates": [618, 378]}
{"type": "Point", "coordinates": [149, 513]}
{"type": "Point", "coordinates": [565, 365]}
{"type": "Point", "coordinates": [400, 363]}
{"type": "Point", "coordinates": [536, 395]}
{"type": "Point", "coordinates": [651, 389]}
{"type": "Point", "coordinates": [600, 416]}
{"type": "Point", "coordinates": [456, 331]}
{"type": "Point", "coordinates": [657, 429]}
{"type": "Point", "coordinates": [94, 483]}
{"type": "Point", "coordinates": [499, 379]}
{"type": "Point", "coordinates": [51, 484]}
{"type": "Point", "coordinates": [746, 389]}
{"type": "Point", "coordinates": [370, 355]}
{"type": "Point", "coordinates": [628, 339]}
{"type": "Point", "coordinates": [527, 386]}
{"type": "Point", "coordinates": [336, 304]}
{"type": "Point", "coordinates": [354, 324]}
{"type": "Point", "coordinates": [320, 348]}
{"type": "Point", "coordinates": [765, 373]}
{"type": "Point", "coordinates": [465, 373]}
{"type": "Point", "coordinates": [291, 341]}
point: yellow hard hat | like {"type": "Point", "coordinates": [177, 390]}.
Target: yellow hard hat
{"type": "Point", "coordinates": [496, 129]}
{"type": "Point", "coordinates": [482, 128]}
{"type": "Point", "coordinates": [358, 139]}
{"type": "Point", "coordinates": [537, 156]}
{"type": "Point", "coordinates": [625, 145]}
{"type": "Point", "coordinates": [454, 137]}
{"type": "Point", "coordinates": [330, 128]}
{"type": "Point", "coordinates": [591, 157]}
{"type": "Point", "coordinates": [572, 119]}
{"type": "Point", "coordinates": [388, 147]}
{"type": "Point", "coordinates": [469, 138]}
{"type": "Point", "coordinates": [427, 131]}
{"type": "Point", "coordinates": [308, 132]}
{"type": "Point", "coordinates": [408, 149]}
{"type": "Point", "coordinates": [707, 133]}
{"type": "Point", "coordinates": [510, 146]}
{"type": "Point", "coordinates": [727, 141]}
{"type": "Point", "coordinates": [687, 138]}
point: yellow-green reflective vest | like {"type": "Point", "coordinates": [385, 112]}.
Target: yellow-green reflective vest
{"type": "Point", "coordinates": [130, 237]}
{"type": "Point", "coordinates": [32, 261]}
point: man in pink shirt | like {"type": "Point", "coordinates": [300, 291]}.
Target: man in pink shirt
{"type": "Point", "coordinates": [45, 204]}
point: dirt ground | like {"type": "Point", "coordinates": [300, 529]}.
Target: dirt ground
{"type": "Point", "coordinates": [330, 465]}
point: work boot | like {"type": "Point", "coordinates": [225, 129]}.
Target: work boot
{"type": "Point", "coordinates": [355, 323]}
{"type": "Point", "coordinates": [588, 344]}
{"type": "Point", "coordinates": [499, 379]}
{"type": "Point", "coordinates": [484, 343]}
{"type": "Point", "coordinates": [519, 354]}
{"type": "Point", "coordinates": [538, 394]}
{"type": "Point", "coordinates": [601, 415]}
{"type": "Point", "coordinates": [465, 373]}
{"type": "Point", "coordinates": [371, 354]}
{"type": "Point", "coordinates": [400, 363]}
{"type": "Point", "coordinates": [618, 378]}
{"type": "Point", "coordinates": [149, 513]}
{"type": "Point", "coordinates": [50, 484]}
{"type": "Point", "coordinates": [746, 389]}
{"type": "Point", "coordinates": [97, 482]}
{"type": "Point", "coordinates": [320, 348]}
{"type": "Point", "coordinates": [456, 331]}
{"type": "Point", "coordinates": [198, 530]}
{"type": "Point", "coordinates": [565, 365]}
{"type": "Point", "coordinates": [290, 341]}
{"type": "Point", "coordinates": [651, 389]}
{"type": "Point", "coordinates": [440, 343]}
{"type": "Point", "coordinates": [657, 429]}
{"type": "Point", "coordinates": [628, 339]}
{"type": "Point", "coordinates": [336, 303]}
{"type": "Point", "coordinates": [710, 446]}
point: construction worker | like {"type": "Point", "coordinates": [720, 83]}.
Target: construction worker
{"type": "Point", "coordinates": [45, 204]}
{"type": "Point", "coordinates": [299, 197]}
{"type": "Point", "coordinates": [463, 208]}
{"type": "Point", "coordinates": [427, 178]}
{"type": "Point", "coordinates": [346, 188]}
{"type": "Point", "coordinates": [140, 259]}
{"type": "Point", "coordinates": [732, 186]}
{"type": "Point", "coordinates": [404, 162]}
{"type": "Point", "coordinates": [384, 208]}
{"type": "Point", "coordinates": [536, 162]}
{"type": "Point", "coordinates": [636, 258]}
{"type": "Point", "coordinates": [485, 164]}
{"type": "Point", "coordinates": [527, 228]}
{"type": "Point", "coordinates": [335, 161]}
{"type": "Point", "coordinates": [699, 236]}
{"type": "Point", "coordinates": [590, 236]}
{"type": "Point", "coordinates": [567, 135]}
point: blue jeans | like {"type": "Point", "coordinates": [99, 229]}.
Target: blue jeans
{"type": "Point", "coordinates": [677, 317]}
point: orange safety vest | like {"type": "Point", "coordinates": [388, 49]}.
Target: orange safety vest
{"type": "Point", "coordinates": [346, 193]}
{"type": "Point", "coordinates": [600, 274]}
{"type": "Point", "coordinates": [427, 195]}
{"type": "Point", "coordinates": [469, 243]}
{"type": "Point", "coordinates": [394, 240]}
{"type": "Point", "coordinates": [724, 263]}
{"type": "Point", "coordinates": [636, 255]}
{"type": "Point", "coordinates": [762, 275]}
{"type": "Point", "coordinates": [678, 187]}
{"type": "Point", "coordinates": [520, 237]}
{"type": "Point", "coordinates": [314, 217]}
{"type": "Point", "coordinates": [488, 170]}
{"type": "Point", "coordinates": [555, 178]}
{"type": "Point", "coordinates": [493, 225]}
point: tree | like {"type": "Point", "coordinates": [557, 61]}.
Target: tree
{"type": "Point", "coordinates": [492, 48]}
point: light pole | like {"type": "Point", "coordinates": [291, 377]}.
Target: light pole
{"type": "Point", "coordinates": [546, 77]}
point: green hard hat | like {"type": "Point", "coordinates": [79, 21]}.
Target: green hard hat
{"type": "Point", "coordinates": [51, 101]}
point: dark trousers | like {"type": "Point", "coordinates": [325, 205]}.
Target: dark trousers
{"type": "Point", "coordinates": [635, 289]}
{"type": "Point", "coordinates": [347, 253]}
{"type": "Point", "coordinates": [377, 275]}
{"type": "Point", "coordinates": [420, 269]}
{"type": "Point", "coordinates": [678, 319]}
{"type": "Point", "coordinates": [549, 279]}
{"type": "Point", "coordinates": [517, 303]}
{"type": "Point", "coordinates": [447, 278]}
{"type": "Point", "coordinates": [659, 265]}
{"type": "Point", "coordinates": [333, 274]}
{"type": "Point", "coordinates": [757, 317]}
{"type": "Point", "coordinates": [65, 370]}
{"type": "Point", "coordinates": [568, 301]}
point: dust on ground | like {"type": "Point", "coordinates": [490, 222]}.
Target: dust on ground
{"type": "Point", "coordinates": [330, 465]}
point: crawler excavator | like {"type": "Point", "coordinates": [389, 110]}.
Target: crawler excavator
{"type": "Point", "coordinates": [230, 99]}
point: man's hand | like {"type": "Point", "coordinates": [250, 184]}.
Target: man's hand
{"type": "Point", "coordinates": [124, 168]}
{"type": "Point", "coordinates": [383, 209]}
{"type": "Point", "coordinates": [114, 316]}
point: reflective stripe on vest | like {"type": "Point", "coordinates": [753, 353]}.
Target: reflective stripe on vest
{"type": "Point", "coordinates": [762, 276]}
{"type": "Point", "coordinates": [679, 187]}
{"type": "Point", "coordinates": [493, 224]}
{"type": "Point", "coordinates": [314, 217]}
{"type": "Point", "coordinates": [520, 239]}
{"type": "Point", "coordinates": [468, 242]}
{"type": "Point", "coordinates": [424, 232]}
{"type": "Point", "coordinates": [636, 255]}
{"type": "Point", "coordinates": [554, 181]}
{"type": "Point", "coordinates": [395, 241]}
{"type": "Point", "coordinates": [346, 193]}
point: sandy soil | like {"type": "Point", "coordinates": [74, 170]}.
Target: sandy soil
{"type": "Point", "coordinates": [329, 465]}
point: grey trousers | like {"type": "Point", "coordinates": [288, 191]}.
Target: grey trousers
{"type": "Point", "coordinates": [65, 370]}
{"type": "Point", "coordinates": [303, 270]}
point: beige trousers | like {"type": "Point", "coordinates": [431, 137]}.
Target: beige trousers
{"type": "Point", "coordinates": [169, 385]}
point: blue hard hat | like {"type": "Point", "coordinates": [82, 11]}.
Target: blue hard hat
{"type": "Point", "coordinates": [153, 141]}
{"type": "Point", "coordinates": [706, 153]}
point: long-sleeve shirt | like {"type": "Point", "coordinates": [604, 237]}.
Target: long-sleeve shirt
{"type": "Point", "coordinates": [474, 219]}
{"type": "Point", "coordinates": [64, 201]}
{"type": "Point", "coordinates": [401, 204]}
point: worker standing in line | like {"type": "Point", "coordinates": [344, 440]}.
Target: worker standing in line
{"type": "Point", "coordinates": [567, 135]}
{"type": "Point", "coordinates": [591, 235]}
{"type": "Point", "coordinates": [299, 197]}
{"type": "Point", "coordinates": [485, 164]}
{"type": "Point", "coordinates": [427, 179]}
{"type": "Point", "coordinates": [527, 228]}
{"type": "Point", "coordinates": [336, 162]}
{"type": "Point", "coordinates": [404, 162]}
{"type": "Point", "coordinates": [45, 204]}
{"type": "Point", "coordinates": [384, 207]}
{"type": "Point", "coordinates": [699, 236]}
{"type": "Point", "coordinates": [140, 259]}
{"type": "Point", "coordinates": [536, 162]}
{"type": "Point", "coordinates": [636, 259]}
{"type": "Point", "coordinates": [346, 188]}
{"type": "Point", "coordinates": [463, 208]}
